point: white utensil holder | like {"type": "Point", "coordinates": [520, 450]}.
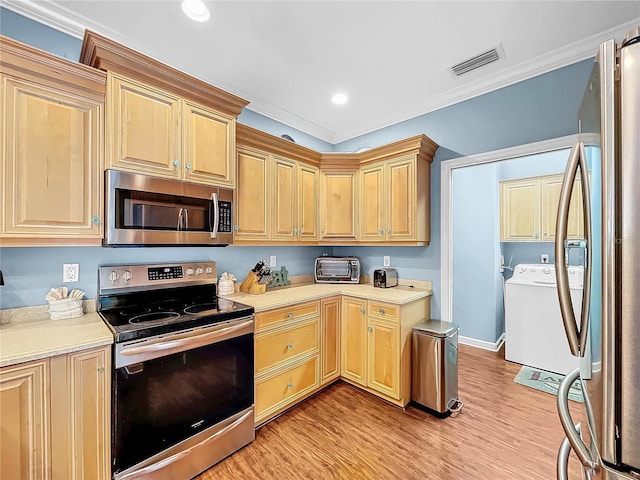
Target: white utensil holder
{"type": "Point", "coordinates": [226, 287]}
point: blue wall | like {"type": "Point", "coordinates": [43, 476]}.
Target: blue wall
{"type": "Point", "coordinates": [537, 109]}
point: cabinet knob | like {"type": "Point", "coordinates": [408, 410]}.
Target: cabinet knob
{"type": "Point", "coordinates": [302, 230]}
{"type": "Point", "coordinates": [289, 346]}
{"type": "Point", "coordinates": [388, 230]}
{"type": "Point", "coordinates": [176, 163]}
{"type": "Point", "coordinates": [380, 231]}
{"type": "Point", "coordinates": [236, 227]}
{"type": "Point", "coordinates": [381, 311]}
{"type": "Point", "coordinates": [362, 310]}
{"type": "Point", "coordinates": [188, 165]}
{"type": "Point", "coordinates": [289, 315]}
{"type": "Point", "coordinates": [290, 386]}
{"type": "Point", "coordinates": [100, 369]}
{"type": "Point", "coordinates": [95, 220]}
{"type": "Point", "coordinates": [295, 230]}
{"type": "Point", "coordinates": [535, 235]}
{"type": "Point", "coordinates": [369, 329]}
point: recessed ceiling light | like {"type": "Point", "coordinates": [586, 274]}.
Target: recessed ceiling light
{"type": "Point", "coordinates": [339, 98]}
{"type": "Point", "coordinates": [195, 10]}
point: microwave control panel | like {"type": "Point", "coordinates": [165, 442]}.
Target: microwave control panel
{"type": "Point", "coordinates": [224, 225]}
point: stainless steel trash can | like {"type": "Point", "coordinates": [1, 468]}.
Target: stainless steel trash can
{"type": "Point", "coordinates": [434, 370]}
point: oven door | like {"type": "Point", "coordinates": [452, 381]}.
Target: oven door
{"type": "Point", "coordinates": [173, 387]}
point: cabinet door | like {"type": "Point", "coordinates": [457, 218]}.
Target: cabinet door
{"type": "Point", "coordinates": [209, 145]}
{"type": "Point", "coordinates": [80, 414]}
{"type": "Point", "coordinates": [372, 204]}
{"type": "Point", "coordinates": [143, 129]}
{"type": "Point", "coordinates": [52, 155]}
{"type": "Point", "coordinates": [401, 212]}
{"type": "Point", "coordinates": [338, 205]}
{"type": "Point", "coordinates": [383, 374]}
{"type": "Point", "coordinates": [307, 204]}
{"type": "Point", "coordinates": [354, 340]}
{"type": "Point", "coordinates": [329, 339]}
{"type": "Point", "coordinates": [520, 210]}
{"type": "Point", "coordinates": [283, 206]}
{"type": "Point", "coordinates": [24, 414]}
{"type": "Point", "coordinates": [252, 211]}
{"type": "Point", "coordinates": [551, 187]}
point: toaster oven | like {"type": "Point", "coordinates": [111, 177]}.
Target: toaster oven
{"type": "Point", "coordinates": [337, 270]}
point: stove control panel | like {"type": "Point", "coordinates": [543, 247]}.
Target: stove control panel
{"type": "Point", "coordinates": [120, 278]}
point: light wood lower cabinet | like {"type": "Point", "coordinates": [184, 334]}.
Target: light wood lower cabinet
{"type": "Point", "coordinates": [329, 339]}
{"type": "Point", "coordinates": [287, 357]}
{"type": "Point", "coordinates": [55, 417]}
{"type": "Point", "coordinates": [376, 345]}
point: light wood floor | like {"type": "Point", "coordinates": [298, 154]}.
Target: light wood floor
{"type": "Point", "coordinates": [504, 431]}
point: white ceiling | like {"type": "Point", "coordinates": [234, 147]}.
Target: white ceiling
{"type": "Point", "coordinates": [391, 57]}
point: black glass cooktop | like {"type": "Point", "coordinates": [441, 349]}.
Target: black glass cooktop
{"type": "Point", "coordinates": [144, 314]}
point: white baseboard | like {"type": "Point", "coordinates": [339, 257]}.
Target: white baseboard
{"type": "Point", "coordinates": [494, 347]}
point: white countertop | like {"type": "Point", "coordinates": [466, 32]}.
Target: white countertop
{"type": "Point", "coordinates": [288, 296]}
{"type": "Point", "coordinates": [31, 335]}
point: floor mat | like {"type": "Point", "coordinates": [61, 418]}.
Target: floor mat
{"type": "Point", "coordinates": [547, 382]}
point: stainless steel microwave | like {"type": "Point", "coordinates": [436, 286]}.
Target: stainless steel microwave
{"type": "Point", "coordinates": [149, 211]}
{"type": "Point", "coordinates": [337, 270]}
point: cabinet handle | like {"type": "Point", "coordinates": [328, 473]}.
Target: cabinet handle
{"type": "Point", "coordinates": [295, 230]}
{"type": "Point", "coordinates": [236, 227]}
{"type": "Point", "coordinates": [95, 219]}
{"type": "Point", "coordinates": [289, 315]}
{"type": "Point", "coordinates": [381, 311]}
{"type": "Point", "coordinates": [302, 230]}
{"type": "Point", "coordinates": [369, 329]}
{"type": "Point", "coordinates": [289, 386]}
{"type": "Point", "coordinates": [188, 165]}
{"type": "Point", "coordinates": [176, 163]}
{"type": "Point", "coordinates": [388, 230]}
{"type": "Point", "coordinates": [362, 310]}
{"type": "Point", "coordinates": [380, 231]}
{"type": "Point", "coordinates": [535, 235]}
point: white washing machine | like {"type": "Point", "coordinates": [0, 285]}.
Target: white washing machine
{"type": "Point", "coordinates": [534, 332]}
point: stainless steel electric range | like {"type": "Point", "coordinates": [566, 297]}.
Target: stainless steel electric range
{"type": "Point", "coordinates": [183, 369]}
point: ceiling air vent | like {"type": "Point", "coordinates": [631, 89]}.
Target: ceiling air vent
{"type": "Point", "coordinates": [478, 61]}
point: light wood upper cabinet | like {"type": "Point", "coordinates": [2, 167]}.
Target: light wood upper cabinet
{"type": "Point", "coordinates": [52, 121]}
{"type": "Point", "coordinates": [394, 201]}
{"type": "Point", "coordinates": [308, 194]}
{"type": "Point", "coordinates": [529, 207]}
{"type": "Point", "coordinates": [25, 449]}
{"type": "Point", "coordinates": [252, 208]}
{"type": "Point", "coordinates": [155, 132]}
{"type": "Point", "coordinates": [142, 128]}
{"type": "Point", "coordinates": [338, 204]}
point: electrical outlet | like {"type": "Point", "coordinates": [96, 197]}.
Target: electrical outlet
{"type": "Point", "coordinates": [386, 261]}
{"type": "Point", "coordinates": [70, 272]}
{"type": "Point", "coordinates": [544, 258]}
{"type": "Point", "coordinates": [272, 261]}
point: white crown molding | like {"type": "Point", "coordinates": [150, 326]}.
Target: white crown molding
{"type": "Point", "coordinates": [42, 13]}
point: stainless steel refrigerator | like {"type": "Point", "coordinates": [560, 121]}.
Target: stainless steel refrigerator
{"type": "Point", "coordinates": [608, 446]}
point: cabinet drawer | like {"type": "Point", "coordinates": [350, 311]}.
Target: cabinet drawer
{"type": "Point", "coordinates": [293, 312]}
{"type": "Point", "coordinates": [383, 310]}
{"type": "Point", "coordinates": [284, 388]}
{"type": "Point", "coordinates": [281, 345]}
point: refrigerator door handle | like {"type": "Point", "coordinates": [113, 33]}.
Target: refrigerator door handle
{"type": "Point", "coordinates": [573, 433]}
{"type": "Point", "coordinates": [576, 336]}
{"type": "Point", "coordinates": [562, 465]}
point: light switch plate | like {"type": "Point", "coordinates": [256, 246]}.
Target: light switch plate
{"type": "Point", "coordinates": [386, 261]}
{"type": "Point", "coordinates": [272, 261]}
{"type": "Point", "coordinates": [544, 258]}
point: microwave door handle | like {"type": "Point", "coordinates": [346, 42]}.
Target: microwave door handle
{"type": "Point", "coordinates": [586, 284]}
{"type": "Point", "coordinates": [562, 279]}
{"type": "Point", "coordinates": [180, 212]}
{"type": "Point", "coordinates": [216, 215]}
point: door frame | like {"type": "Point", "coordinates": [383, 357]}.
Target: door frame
{"type": "Point", "coordinates": [446, 199]}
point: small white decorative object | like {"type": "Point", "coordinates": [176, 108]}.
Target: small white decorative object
{"type": "Point", "coordinates": [226, 285]}
{"type": "Point", "coordinates": [63, 304]}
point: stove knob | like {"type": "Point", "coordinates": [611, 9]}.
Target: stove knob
{"type": "Point", "coordinates": [208, 270]}
{"type": "Point", "coordinates": [126, 275]}
{"type": "Point", "coordinates": [189, 271]}
{"type": "Point", "coordinates": [199, 271]}
{"type": "Point", "coordinates": [113, 276]}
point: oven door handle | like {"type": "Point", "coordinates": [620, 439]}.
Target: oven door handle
{"type": "Point", "coordinates": [163, 347]}
{"type": "Point", "coordinates": [177, 456]}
